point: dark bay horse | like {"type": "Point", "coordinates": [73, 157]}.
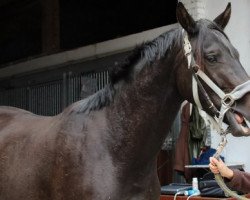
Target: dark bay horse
{"type": "Point", "coordinates": [105, 146]}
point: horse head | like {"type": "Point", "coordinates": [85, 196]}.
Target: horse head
{"type": "Point", "coordinates": [226, 83]}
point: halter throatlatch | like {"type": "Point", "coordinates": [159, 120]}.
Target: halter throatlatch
{"type": "Point", "coordinates": [227, 101]}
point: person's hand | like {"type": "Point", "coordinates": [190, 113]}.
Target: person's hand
{"type": "Point", "coordinates": [218, 166]}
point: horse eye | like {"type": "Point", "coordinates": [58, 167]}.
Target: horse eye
{"type": "Point", "coordinates": [211, 58]}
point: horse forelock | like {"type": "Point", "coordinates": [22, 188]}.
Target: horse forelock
{"type": "Point", "coordinates": [226, 43]}
{"type": "Point", "coordinates": [206, 27]}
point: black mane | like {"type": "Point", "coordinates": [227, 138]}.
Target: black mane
{"type": "Point", "coordinates": [145, 54]}
{"type": "Point", "coordinates": [141, 56]}
{"type": "Point", "coordinates": [148, 52]}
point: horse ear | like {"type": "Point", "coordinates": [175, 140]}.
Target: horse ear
{"type": "Point", "coordinates": [224, 17]}
{"type": "Point", "coordinates": [186, 21]}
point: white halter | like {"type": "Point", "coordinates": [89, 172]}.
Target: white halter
{"type": "Point", "coordinates": [227, 99]}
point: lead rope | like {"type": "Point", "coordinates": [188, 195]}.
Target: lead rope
{"type": "Point", "coordinates": [227, 101]}
{"type": "Point", "coordinates": [218, 177]}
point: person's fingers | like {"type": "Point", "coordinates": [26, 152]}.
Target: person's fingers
{"type": "Point", "coordinates": [220, 164]}
{"type": "Point", "coordinates": [212, 167]}
{"type": "Point", "coordinates": [214, 161]}
{"type": "Point", "coordinates": [215, 170]}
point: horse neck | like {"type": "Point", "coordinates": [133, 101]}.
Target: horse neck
{"type": "Point", "coordinates": [143, 113]}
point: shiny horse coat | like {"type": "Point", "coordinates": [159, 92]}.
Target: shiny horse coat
{"type": "Point", "coordinates": [105, 146]}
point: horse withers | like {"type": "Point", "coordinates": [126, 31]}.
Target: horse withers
{"type": "Point", "coordinates": [105, 146]}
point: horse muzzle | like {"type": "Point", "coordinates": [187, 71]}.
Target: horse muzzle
{"type": "Point", "coordinates": [238, 118]}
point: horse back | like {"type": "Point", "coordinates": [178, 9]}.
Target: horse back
{"type": "Point", "coordinates": [25, 154]}
{"type": "Point", "coordinates": [44, 158]}
{"type": "Point", "coordinates": [17, 120]}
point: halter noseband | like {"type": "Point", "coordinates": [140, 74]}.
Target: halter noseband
{"type": "Point", "coordinates": [227, 99]}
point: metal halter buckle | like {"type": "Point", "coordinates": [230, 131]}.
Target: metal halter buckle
{"type": "Point", "coordinates": [228, 100]}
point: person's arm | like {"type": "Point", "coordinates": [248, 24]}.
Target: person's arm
{"type": "Point", "coordinates": [238, 180]}
{"type": "Point", "coordinates": [218, 166]}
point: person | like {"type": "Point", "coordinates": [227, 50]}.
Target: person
{"type": "Point", "coordinates": [235, 179]}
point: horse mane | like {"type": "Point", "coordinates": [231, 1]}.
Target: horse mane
{"type": "Point", "coordinates": [146, 53]}
{"type": "Point", "coordinates": [143, 55]}
{"type": "Point", "coordinates": [95, 101]}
